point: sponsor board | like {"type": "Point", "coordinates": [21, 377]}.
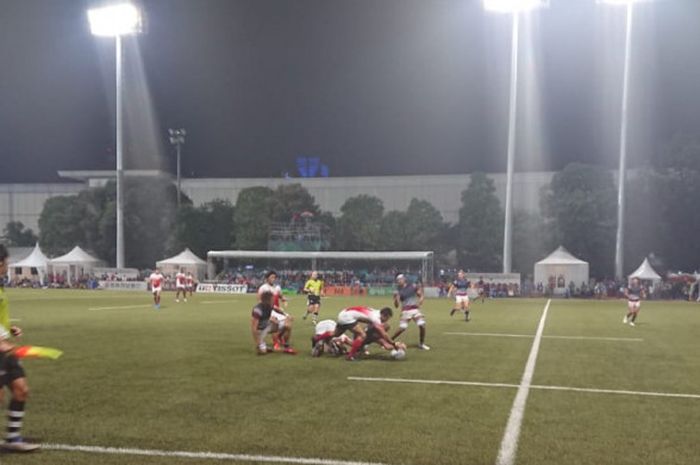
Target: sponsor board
{"type": "Point", "coordinates": [123, 285]}
{"type": "Point", "coordinates": [212, 288]}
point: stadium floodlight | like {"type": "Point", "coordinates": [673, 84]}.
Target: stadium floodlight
{"type": "Point", "coordinates": [622, 170]}
{"type": "Point", "coordinates": [177, 139]}
{"type": "Point", "coordinates": [117, 20]}
{"type": "Point", "coordinates": [513, 6]}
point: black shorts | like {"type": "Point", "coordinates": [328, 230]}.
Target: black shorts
{"type": "Point", "coordinates": [10, 369]}
{"type": "Point", "coordinates": [314, 300]}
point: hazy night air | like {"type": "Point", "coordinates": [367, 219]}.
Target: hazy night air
{"type": "Point", "coordinates": [370, 87]}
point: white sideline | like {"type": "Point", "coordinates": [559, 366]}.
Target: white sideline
{"type": "Point", "coordinates": [120, 307]}
{"type": "Point", "coordinates": [201, 455]}
{"type": "Point", "coordinates": [509, 443]}
{"type": "Point", "coordinates": [534, 386]}
{"type": "Point", "coordinates": [530, 336]}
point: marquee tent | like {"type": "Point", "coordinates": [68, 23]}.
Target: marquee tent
{"type": "Point", "coordinates": [186, 260]}
{"type": "Point", "coordinates": [33, 267]}
{"type": "Point", "coordinates": [75, 263]}
{"type": "Point", "coordinates": [645, 272]}
{"type": "Point", "coordinates": [559, 269]}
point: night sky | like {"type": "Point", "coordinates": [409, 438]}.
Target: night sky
{"type": "Point", "coordinates": [372, 87]}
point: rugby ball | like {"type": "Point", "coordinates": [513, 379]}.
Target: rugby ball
{"type": "Point", "coordinates": [399, 354]}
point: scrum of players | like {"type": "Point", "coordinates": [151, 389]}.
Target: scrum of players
{"type": "Point", "coordinates": [349, 335]}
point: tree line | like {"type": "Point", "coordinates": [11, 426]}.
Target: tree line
{"type": "Point", "coordinates": [577, 210]}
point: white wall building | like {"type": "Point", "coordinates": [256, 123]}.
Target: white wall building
{"type": "Point", "coordinates": [24, 202]}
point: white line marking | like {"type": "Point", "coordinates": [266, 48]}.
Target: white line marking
{"type": "Point", "coordinates": [120, 307]}
{"type": "Point", "coordinates": [617, 391]}
{"type": "Point", "coordinates": [201, 455]}
{"type": "Point", "coordinates": [534, 386]}
{"type": "Point", "coordinates": [509, 444]}
{"type": "Point", "coordinates": [580, 338]}
{"type": "Point", "coordinates": [430, 381]}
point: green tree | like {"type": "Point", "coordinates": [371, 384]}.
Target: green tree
{"type": "Point", "coordinates": [291, 199]}
{"type": "Point", "coordinates": [89, 220]}
{"type": "Point", "coordinates": [393, 233]}
{"type": "Point", "coordinates": [359, 225]}
{"type": "Point", "coordinates": [252, 218]}
{"type": "Point", "coordinates": [16, 235]}
{"type": "Point", "coordinates": [479, 232]}
{"type": "Point", "coordinates": [424, 226]}
{"type": "Point", "coordinates": [581, 206]}
{"type": "Point", "coordinates": [205, 228]}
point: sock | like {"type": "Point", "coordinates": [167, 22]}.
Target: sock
{"type": "Point", "coordinates": [356, 344]}
{"type": "Point", "coordinates": [14, 420]}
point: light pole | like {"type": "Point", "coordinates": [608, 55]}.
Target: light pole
{"type": "Point", "coordinates": [622, 169]}
{"type": "Point", "coordinates": [514, 8]}
{"type": "Point", "coordinates": [177, 138]}
{"type": "Point", "coordinates": [116, 21]}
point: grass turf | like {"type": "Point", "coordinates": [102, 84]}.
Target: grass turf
{"type": "Point", "coordinates": [186, 378]}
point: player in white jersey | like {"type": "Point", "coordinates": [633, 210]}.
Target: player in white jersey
{"type": "Point", "coordinates": [279, 317]}
{"type": "Point", "coordinates": [354, 318]}
{"type": "Point", "coordinates": [156, 280]}
{"type": "Point", "coordinates": [634, 293]}
{"type": "Point", "coordinates": [324, 339]}
{"type": "Point", "coordinates": [189, 283]}
{"type": "Point", "coordinates": [180, 285]}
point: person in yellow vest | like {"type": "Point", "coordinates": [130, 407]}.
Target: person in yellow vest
{"type": "Point", "coordinates": [11, 371]}
{"type": "Point", "coordinates": [313, 289]}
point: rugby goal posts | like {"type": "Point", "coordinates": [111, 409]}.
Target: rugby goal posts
{"type": "Point", "coordinates": [422, 261]}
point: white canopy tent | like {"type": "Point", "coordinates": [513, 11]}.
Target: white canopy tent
{"type": "Point", "coordinates": [186, 260]}
{"type": "Point", "coordinates": [75, 263]}
{"type": "Point", "coordinates": [559, 269]}
{"type": "Point", "coordinates": [33, 267]}
{"type": "Point", "coordinates": [646, 272]}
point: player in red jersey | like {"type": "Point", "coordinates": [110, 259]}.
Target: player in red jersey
{"type": "Point", "coordinates": [353, 319]}
{"type": "Point", "coordinates": [156, 281]}
{"type": "Point", "coordinates": [180, 286]}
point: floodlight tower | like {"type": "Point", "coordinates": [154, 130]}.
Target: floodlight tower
{"type": "Point", "coordinates": [622, 169]}
{"type": "Point", "coordinates": [514, 8]}
{"type": "Point", "coordinates": [177, 138]}
{"type": "Point", "coordinates": [117, 20]}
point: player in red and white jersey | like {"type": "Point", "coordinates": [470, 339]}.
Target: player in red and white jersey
{"type": "Point", "coordinates": [353, 319]}
{"type": "Point", "coordinates": [180, 286]}
{"type": "Point", "coordinates": [324, 339]}
{"type": "Point", "coordinates": [156, 280]}
{"type": "Point", "coordinates": [279, 317]}
{"type": "Point", "coordinates": [189, 283]}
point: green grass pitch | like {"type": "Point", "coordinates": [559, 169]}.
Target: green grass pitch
{"type": "Point", "coordinates": [186, 378]}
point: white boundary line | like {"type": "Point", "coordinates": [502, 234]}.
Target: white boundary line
{"type": "Point", "coordinates": [201, 455]}
{"type": "Point", "coordinates": [534, 386]}
{"type": "Point", "coordinates": [509, 443]}
{"type": "Point", "coordinates": [120, 307]}
{"type": "Point", "coordinates": [529, 336]}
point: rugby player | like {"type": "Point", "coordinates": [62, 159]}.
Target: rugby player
{"type": "Point", "coordinates": [634, 293]}
{"type": "Point", "coordinates": [324, 339]}
{"type": "Point", "coordinates": [11, 372]}
{"type": "Point", "coordinates": [353, 319]}
{"type": "Point", "coordinates": [180, 286]}
{"type": "Point", "coordinates": [313, 289]}
{"type": "Point", "coordinates": [459, 289]}
{"type": "Point", "coordinates": [280, 318]}
{"type": "Point", "coordinates": [156, 279]}
{"type": "Point", "coordinates": [410, 298]}
{"type": "Point", "coordinates": [262, 324]}
{"type": "Point", "coordinates": [189, 283]}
